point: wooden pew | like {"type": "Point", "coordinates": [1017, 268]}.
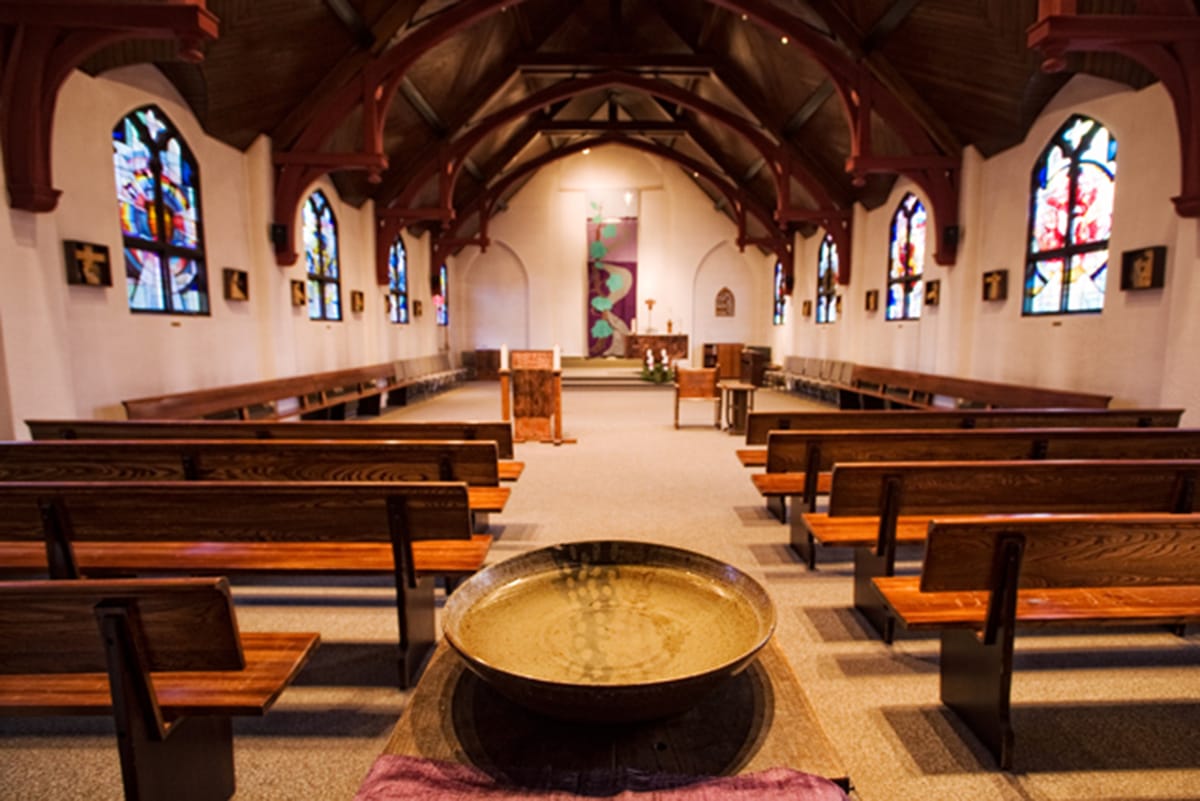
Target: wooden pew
{"type": "Point", "coordinates": [798, 462]}
{"type": "Point", "coordinates": [760, 424]}
{"type": "Point", "coordinates": [398, 529]}
{"type": "Point", "coordinates": [164, 657]}
{"type": "Point", "coordinates": [873, 387]}
{"type": "Point", "coordinates": [278, 460]}
{"type": "Point", "coordinates": [985, 576]}
{"type": "Point", "coordinates": [323, 395]}
{"type": "Point", "coordinates": [498, 431]}
{"type": "Point", "coordinates": [876, 507]}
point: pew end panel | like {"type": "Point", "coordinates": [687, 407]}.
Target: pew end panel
{"type": "Point", "coordinates": [983, 577]}
{"type": "Point", "coordinates": [164, 657]}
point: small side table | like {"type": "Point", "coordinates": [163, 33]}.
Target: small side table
{"type": "Point", "coordinates": [738, 400]}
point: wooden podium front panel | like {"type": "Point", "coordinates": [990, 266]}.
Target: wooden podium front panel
{"type": "Point", "coordinates": [676, 345]}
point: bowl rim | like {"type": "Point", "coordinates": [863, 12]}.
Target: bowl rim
{"type": "Point", "coordinates": [768, 628]}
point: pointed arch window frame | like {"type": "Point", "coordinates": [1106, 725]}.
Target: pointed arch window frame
{"type": "Point", "coordinates": [322, 260]}
{"type": "Point", "coordinates": [827, 274]}
{"type": "Point", "coordinates": [779, 295]}
{"type": "Point", "coordinates": [1072, 256]}
{"type": "Point", "coordinates": [441, 300]}
{"type": "Point", "coordinates": [161, 220]}
{"type": "Point", "coordinates": [398, 282]}
{"type": "Point", "coordinates": [907, 253]}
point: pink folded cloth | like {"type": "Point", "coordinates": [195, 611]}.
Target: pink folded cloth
{"type": "Point", "coordinates": [393, 778]}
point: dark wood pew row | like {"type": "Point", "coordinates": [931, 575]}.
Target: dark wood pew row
{"type": "Point", "coordinates": [407, 530]}
{"type": "Point", "coordinates": [985, 577]}
{"type": "Point", "coordinates": [760, 424]}
{"type": "Point", "coordinates": [877, 507]}
{"type": "Point", "coordinates": [474, 463]}
{"type": "Point", "coordinates": [872, 387]}
{"type": "Point", "coordinates": [798, 462]}
{"type": "Point", "coordinates": [324, 395]}
{"type": "Point", "coordinates": [164, 657]}
{"type": "Point", "coordinates": [498, 431]}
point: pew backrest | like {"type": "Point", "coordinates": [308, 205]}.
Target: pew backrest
{"type": "Point", "coordinates": [759, 424]}
{"type": "Point", "coordinates": [245, 460]}
{"type": "Point", "coordinates": [1065, 551]}
{"type": "Point", "coordinates": [498, 431]}
{"type": "Point", "coordinates": [233, 511]}
{"type": "Point", "coordinates": [51, 626]}
{"type": "Point", "coordinates": [800, 451]}
{"type": "Point", "coordinates": [999, 487]}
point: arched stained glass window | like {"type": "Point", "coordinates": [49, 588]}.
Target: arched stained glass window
{"type": "Point", "coordinates": [158, 193]}
{"type": "Point", "coordinates": [398, 282]}
{"type": "Point", "coordinates": [321, 259]}
{"type": "Point", "coordinates": [827, 272]}
{"type": "Point", "coordinates": [780, 294]}
{"type": "Point", "coordinates": [906, 260]}
{"type": "Point", "coordinates": [441, 301]}
{"type": "Point", "coordinates": [1070, 220]}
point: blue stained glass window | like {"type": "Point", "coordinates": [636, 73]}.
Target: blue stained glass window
{"type": "Point", "coordinates": [1070, 220]}
{"type": "Point", "coordinates": [321, 258]}
{"type": "Point", "coordinates": [827, 272]}
{"type": "Point", "coordinates": [906, 260]}
{"type": "Point", "coordinates": [158, 198]}
{"type": "Point", "coordinates": [398, 282]}
{"type": "Point", "coordinates": [441, 301]}
{"type": "Point", "coordinates": [779, 294]}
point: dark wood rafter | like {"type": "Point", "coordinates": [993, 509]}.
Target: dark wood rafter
{"type": "Point", "coordinates": [465, 143]}
{"type": "Point", "coordinates": [1164, 37]}
{"type": "Point", "coordinates": [41, 46]}
{"type": "Point", "coordinates": [852, 80]}
{"type": "Point", "coordinates": [861, 94]}
{"type": "Point", "coordinates": [736, 197]}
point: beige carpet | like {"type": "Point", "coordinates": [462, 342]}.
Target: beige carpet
{"type": "Point", "coordinates": [1100, 715]}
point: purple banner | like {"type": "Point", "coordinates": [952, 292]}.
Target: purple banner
{"type": "Point", "coordinates": [612, 284]}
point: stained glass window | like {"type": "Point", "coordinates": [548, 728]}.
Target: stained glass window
{"type": "Point", "coordinates": [780, 293]}
{"type": "Point", "coordinates": [827, 272]}
{"type": "Point", "coordinates": [321, 259]}
{"type": "Point", "coordinates": [906, 260]}
{"type": "Point", "coordinates": [441, 301]}
{"type": "Point", "coordinates": [158, 195]}
{"type": "Point", "coordinates": [1070, 219]}
{"type": "Point", "coordinates": [398, 282]}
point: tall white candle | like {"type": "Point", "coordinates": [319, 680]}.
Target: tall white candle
{"type": "Point", "coordinates": [504, 357]}
{"type": "Point", "coordinates": [557, 358]}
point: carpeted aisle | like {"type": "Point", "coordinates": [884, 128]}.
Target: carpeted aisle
{"type": "Point", "coordinates": [1101, 715]}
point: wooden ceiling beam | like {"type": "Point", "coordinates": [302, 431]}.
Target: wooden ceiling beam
{"type": "Point", "coordinates": [382, 30]}
{"type": "Point", "coordinates": [1165, 43]}
{"type": "Point", "coordinates": [348, 15]}
{"type": "Point", "coordinates": [42, 46]}
{"type": "Point", "coordinates": [575, 63]}
{"type": "Point", "coordinates": [645, 127]}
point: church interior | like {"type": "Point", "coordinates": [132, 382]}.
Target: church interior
{"type": "Point", "coordinates": [552, 213]}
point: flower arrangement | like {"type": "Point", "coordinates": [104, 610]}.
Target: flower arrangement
{"type": "Point", "coordinates": [658, 371]}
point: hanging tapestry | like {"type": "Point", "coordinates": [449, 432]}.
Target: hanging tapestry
{"type": "Point", "coordinates": [612, 283]}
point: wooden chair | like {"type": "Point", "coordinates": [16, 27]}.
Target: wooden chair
{"type": "Point", "coordinates": [698, 384]}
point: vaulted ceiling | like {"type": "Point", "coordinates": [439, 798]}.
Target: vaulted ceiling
{"type": "Point", "coordinates": [785, 112]}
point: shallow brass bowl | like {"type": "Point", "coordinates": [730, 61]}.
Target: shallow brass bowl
{"type": "Point", "coordinates": [608, 631]}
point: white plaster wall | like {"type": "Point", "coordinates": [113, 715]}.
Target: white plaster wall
{"type": "Point", "coordinates": [679, 233]}
{"type": "Point", "coordinates": [73, 351]}
{"type": "Point", "coordinates": [496, 303]}
{"type": "Point", "coordinates": [1140, 349]}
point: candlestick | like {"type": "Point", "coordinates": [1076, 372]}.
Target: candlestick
{"type": "Point", "coordinates": [557, 358]}
{"type": "Point", "coordinates": [504, 357]}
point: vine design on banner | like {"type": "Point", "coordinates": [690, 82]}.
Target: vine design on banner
{"type": "Point", "coordinates": [612, 282]}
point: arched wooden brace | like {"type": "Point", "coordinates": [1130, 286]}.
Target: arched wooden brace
{"type": "Point", "coordinates": [1164, 38]}
{"type": "Point", "coordinates": [382, 79]}
{"type": "Point", "coordinates": [46, 45]}
{"type": "Point", "coordinates": [736, 197]}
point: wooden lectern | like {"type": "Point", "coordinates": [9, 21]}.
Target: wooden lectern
{"type": "Point", "coordinates": [534, 402]}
